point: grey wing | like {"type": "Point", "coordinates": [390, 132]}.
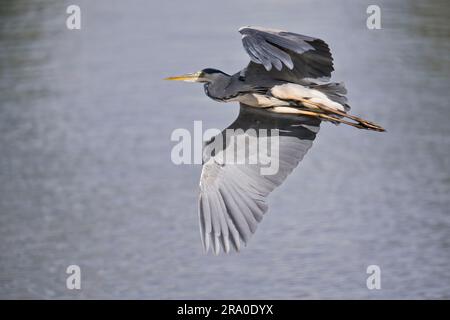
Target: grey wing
{"type": "Point", "coordinates": [302, 56]}
{"type": "Point", "coordinates": [232, 198]}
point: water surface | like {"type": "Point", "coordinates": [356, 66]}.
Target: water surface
{"type": "Point", "coordinates": [86, 176]}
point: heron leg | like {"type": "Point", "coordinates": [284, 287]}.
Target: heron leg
{"type": "Point", "coordinates": [324, 116]}
{"type": "Point", "coordinates": [360, 123]}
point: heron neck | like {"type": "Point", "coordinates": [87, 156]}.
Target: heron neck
{"type": "Point", "coordinates": [217, 89]}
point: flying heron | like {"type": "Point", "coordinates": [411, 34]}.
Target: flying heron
{"type": "Point", "coordinates": [286, 86]}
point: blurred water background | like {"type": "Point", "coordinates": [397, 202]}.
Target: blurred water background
{"type": "Point", "coordinates": [86, 176]}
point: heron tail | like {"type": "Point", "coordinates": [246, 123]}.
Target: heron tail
{"type": "Point", "coordinates": [335, 91]}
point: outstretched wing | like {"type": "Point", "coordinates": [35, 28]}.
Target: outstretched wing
{"type": "Point", "coordinates": [233, 194]}
{"type": "Point", "coordinates": [293, 56]}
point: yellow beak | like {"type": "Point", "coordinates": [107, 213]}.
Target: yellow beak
{"type": "Point", "coordinates": [189, 77]}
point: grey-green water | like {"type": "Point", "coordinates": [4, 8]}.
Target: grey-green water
{"type": "Point", "coordinates": [86, 176]}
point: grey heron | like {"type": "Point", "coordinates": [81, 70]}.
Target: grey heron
{"type": "Point", "coordinates": [286, 86]}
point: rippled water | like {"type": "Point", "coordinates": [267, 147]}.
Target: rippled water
{"type": "Point", "coordinates": [86, 176]}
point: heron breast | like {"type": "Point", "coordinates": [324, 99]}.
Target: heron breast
{"type": "Point", "coordinates": [260, 100]}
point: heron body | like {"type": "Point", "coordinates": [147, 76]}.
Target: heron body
{"type": "Point", "coordinates": [286, 86]}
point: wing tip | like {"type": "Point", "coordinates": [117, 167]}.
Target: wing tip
{"type": "Point", "coordinates": [241, 29]}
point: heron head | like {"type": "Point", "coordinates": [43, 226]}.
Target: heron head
{"type": "Point", "coordinates": [204, 76]}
